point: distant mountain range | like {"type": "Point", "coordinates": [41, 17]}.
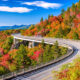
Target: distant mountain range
{"type": "Point", "coordinates": [14, 27]}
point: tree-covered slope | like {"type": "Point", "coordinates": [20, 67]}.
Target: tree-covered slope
{"type": "Point", "coordinates": [70, 71]}
{"type": "Point", "coordinates": [66, 25]}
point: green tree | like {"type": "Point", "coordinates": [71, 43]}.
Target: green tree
{"type": "Point", "coordinates": [7, 44]}
{"type": "Point", "coordinates": [31, 27]}
{"type": "Point", "coordinates": [38, 28]}
{"type": "Point", "coordinates": [48, 16]}
{"type": "Point", "coordinates": [71, 18]}
{"type": "Point", "coordinates": [41, 19]}
{"type": "Point", "coordinates": [51, 15]}
{"type": "Point", "coordinates": [56, 50]}
{"type": "Point", "coordinates": [62, 13]}
{"type": "Point", "coordinates": [7, 32]}
{"type": "Point", "coordinates": [43, 44]}
{"type": "Point", "coordinates": [66, 31]}
{"type": "Point", "coordinates": [3, 70]}
{"type": "Point", "coordinates": [73, 7]}
{"type": "Point", "coordinates": [68, 9]}
{"type": "Point", "coordinates": [75, 35]}
{"type": "Point", "coordinates": [12, 67]}
{"type": "Point", "coordinates": [79, 5]}
{"type": "Point", "coordinates": [46, 54]}
{"type": "Point", "coordinates": [59, 33]}
{"type": "Point", "coordinates": [21, 57]}
{"type": "Point", "coordinates": [63, 50]}
{"type": "Point", "coordinates": [33, 62]}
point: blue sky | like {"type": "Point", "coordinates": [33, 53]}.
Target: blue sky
{"type": "Point", "coordinates": [18, 12]}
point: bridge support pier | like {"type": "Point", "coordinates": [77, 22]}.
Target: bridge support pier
{"type": "Point", "coordinates": [15, 41]}
{"type": "Point", "coordinates": [31, 44]}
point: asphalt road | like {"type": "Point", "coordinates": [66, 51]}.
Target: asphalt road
{"type": "Point", "coordinates": [46, 73]}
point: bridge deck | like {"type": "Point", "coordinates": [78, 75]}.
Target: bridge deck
{"type": "Point", "coordinates": [37, 39]}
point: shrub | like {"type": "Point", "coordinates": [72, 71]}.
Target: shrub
{"type": "Point", "coordinates": [7, 44]}
{"type": "Point", "coordinates": [70, 71]}
{"type": "Point", "coordinates": [12, 67]}
{"type": "Point", "coordinates": [3, 70]}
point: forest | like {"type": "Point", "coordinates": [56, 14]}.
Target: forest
{"type": "Point", "coordinates": [14, 59]}
{"type": "Point", "coordinates": [66, 25]}
{"type": "Point", "coordinates": [69, 71]}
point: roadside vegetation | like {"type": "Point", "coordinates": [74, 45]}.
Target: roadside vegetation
{"type": "Point", "coordinates": [70, 71]}
{"type": "Point", "coordinates": [66, 25]}
{"type": "Point", "coordinates": [24, 57]}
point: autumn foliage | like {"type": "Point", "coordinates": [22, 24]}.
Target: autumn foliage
{"type": "Point", "coordinates": [70, 71]}
{"type": "Point", "coordinates": [66, 25]}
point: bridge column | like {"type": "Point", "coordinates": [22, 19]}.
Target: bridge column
{"type": "Point", "coordinates": [14, 41]}
{"type": "Point", "coordinates": [31, 44]}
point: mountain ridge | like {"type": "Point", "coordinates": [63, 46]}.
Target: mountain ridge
{"type": "Point", "coordinates": [14, 27]}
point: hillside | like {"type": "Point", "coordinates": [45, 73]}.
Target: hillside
{"type": "Point", "coordinates": [14, 27]}
{"type": "Point", "coordinates": [69, 71]}
{"type": "Point", "coordinates": [66, 25]}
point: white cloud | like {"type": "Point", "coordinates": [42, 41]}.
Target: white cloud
{"type": "Point", "coordinates": [43, 4]}
{"type": "Point", "coordinates": [14, 9]}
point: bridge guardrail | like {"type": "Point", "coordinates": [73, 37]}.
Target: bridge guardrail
{"type": "Point", "coordinates": [62, 39]}
{"type": "Point", "coordinates": [46, 37]}
{"type": "Point", "coordinates": [32, 68]}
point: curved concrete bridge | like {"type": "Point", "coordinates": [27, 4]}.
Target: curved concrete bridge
{"type": "Point", "coordinates": [45, 73]}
